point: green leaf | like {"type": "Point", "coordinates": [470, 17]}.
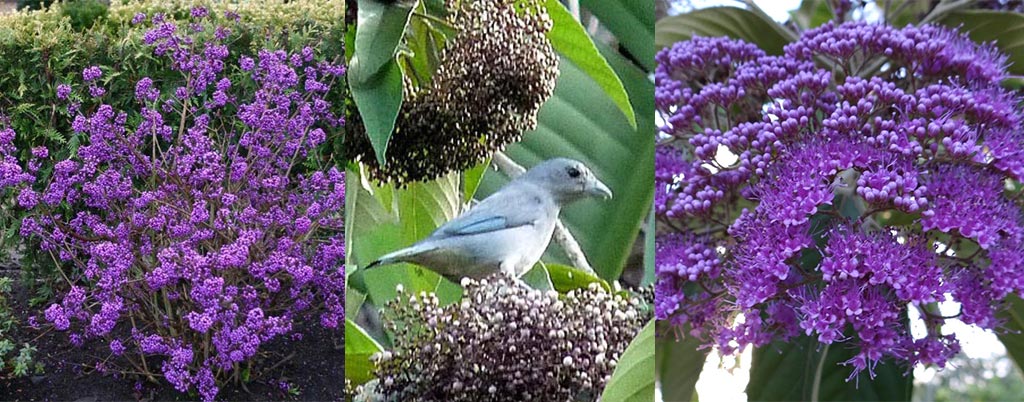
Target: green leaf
{"type": "Point", "coordinates": [359, 346]}
{"type": "Point", "coordinates": [379, 32]}
{"type": "Point", "coordinates": [581, 122]}
{"type": "Point", "coordinates": [733, 22]}
{"type": "Point", "coordinates": [812, 13]}
{"type": "Point", "coordinates": [633, 378]}
{"type": "Point", "coordinates": [632, 22]}
{"type": "Point", "coordinates": [379, 101]}
{"type": "Point", "coordinates": [569, 38]}
{"type": "Point", "coordinates": [801, 369]}
{"type": "Point", "coordinates": [471, 180]}
{"type": "Point", "coordinates": [353, 302]}
{"type": "Point", "coordinates": [1013, 335]}
{"type": "Point", "coordinates": [384, 219]}
{"type": "Point", "coordinates": [1004, 28]}
{"type": "Point", "coordinates": [679, 364]}
{"type": "Point", "coordinates": [538, 277]}
{"type": "Point", "coordinates": [374, 75]}
{"type": "Point", "coordinates": [910, 13]}
{"type": "Point", "coordinates": [1014, 84]}
{"type": "Point", "coordinates": [566, 278]}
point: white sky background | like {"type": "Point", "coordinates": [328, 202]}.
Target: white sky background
{"type": "Point", "coordinates": [724, 378]}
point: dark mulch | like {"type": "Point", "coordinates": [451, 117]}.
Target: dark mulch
{"type": "Point", "coordinates": [313, 366]}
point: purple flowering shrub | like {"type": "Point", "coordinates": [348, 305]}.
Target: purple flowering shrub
{"type": "Point", "coordinates": [851, 199]}
{"type": "Point", "coordinates": [198, 232]}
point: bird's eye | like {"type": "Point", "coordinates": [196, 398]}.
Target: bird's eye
{"type": "Point", "coordinates": [574, 173]}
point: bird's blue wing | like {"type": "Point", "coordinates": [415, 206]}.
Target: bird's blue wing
{"type": "Point", "coordinates": [509, 208]}
{"type": "Point", "coordinates": [477, 224]}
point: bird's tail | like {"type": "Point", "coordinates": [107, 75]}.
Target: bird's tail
{"type": "Point", "coordinates": [407, 254]}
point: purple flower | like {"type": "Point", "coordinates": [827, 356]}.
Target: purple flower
{"type": "Point", "coordinates": [96, 91]}
{"type": "Point", "coordinates": [40, 152]}
{"type": "Point", "coordinates": [246, 63]}
{"type": "Point", "coordinates": [138, 18]}
{"type": "Point", "coordinates": [828, 203]}
{"type": "Point", "coordinates": [91, 73]}
{"type": "Point", "coordinates": [145, 92]}
{"type": "Point", "coordinates": [199, 12]}
{"type": "Point", "coordinates": [63, 90]}
{"type": "Point", "coordinates": [193, 227]}
{"type": "Point", "coordinates": [28, 198]}
{"type": "Point", "coordinates": [56, 315]}
{"type": "Point", "coordinates": [116, 347]}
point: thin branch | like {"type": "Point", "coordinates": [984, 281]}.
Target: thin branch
{"type": "Point", "coordinates": [945, 7]}
{"type": "Point", "coordinates": [574, 8]}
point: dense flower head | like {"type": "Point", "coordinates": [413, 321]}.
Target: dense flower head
{"type": "Point", "coordinates": [91, 73]}
{"type": "Point", "coordinates": [828, 202]}
{"type": "Point", "coordinates": [504, 341]}
{"type": "Point", "coordinates": [206, 226]}
{"type": "Point", "coordinates": [684, 258]}
{"type": "Point", "coordinates": [465, 113]}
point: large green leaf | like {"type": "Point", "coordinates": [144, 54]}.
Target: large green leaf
{"type": "Point", "coordinates": [633, 378]}
{"type": "Point", "coordinates": [632, 22]}
{"type": "Point", "coordinates": [569, 38]}
{"type": "Point", "coordinates": [380, 30]}
{"type": "Point", "coordinates": [1013, 335]}
{"type": "Point", "coordinates": [379, 100]}
{"type": "Point", "coordinates": [1006, 29]}
{"type": "Point", "coordinates": [374, 76]}
{"type": "Point", "coordinates": [803, 370]}
{"type": "Point", "coordinates": [733, 22]}
{"type": "Point", "coordinates": [385, 219]}
{"type": "Point", "coordinates": [358, 348]}
{"type": "Point", "coordinates": [566, 278]}
{"type": "Point", "coordinates": [679, 364]}
{"type": "Point", "coordinates": [538, 278]}
{"type": "Point", "coordinates": [353, 302]}
{"type": "Point", "coordinates": [471, 179]}
{"type": "Point", "coordinates": [812, 13]}
{"type": "Point", "coordinates": [580, 122]}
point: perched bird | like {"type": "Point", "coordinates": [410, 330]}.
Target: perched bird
{"type": "Point", "coordinates": [507, 231]}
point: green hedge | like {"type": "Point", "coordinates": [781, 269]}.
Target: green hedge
{"type": "Point", "coordinates": [42, 49]}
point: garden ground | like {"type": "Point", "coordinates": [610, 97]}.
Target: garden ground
{"type": "Point", "coordinates": [315, 371]}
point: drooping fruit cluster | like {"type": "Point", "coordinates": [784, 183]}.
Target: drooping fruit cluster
{"type": "Point", "coordinates": [875, 169]}
{"type": "Point", "coordinates": [493, 77]}
{"type": "Point", "coordinates": [505, 342]}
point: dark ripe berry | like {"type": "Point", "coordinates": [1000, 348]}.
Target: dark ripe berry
{"type": "Point", "coordinates": [493, 77]}
{"type": "Point", "coordinates": [504, 342]}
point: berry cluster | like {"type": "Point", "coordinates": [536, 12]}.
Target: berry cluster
{"type": "Point", "coordinates": [472, 108]}
{"type": "Point", "coordinates": [505, 341]}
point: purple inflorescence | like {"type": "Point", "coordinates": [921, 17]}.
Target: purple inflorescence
{"type": "Point", "coordinates": [202, 229]}
{"type": "Point", "coordinates": [848, 200]}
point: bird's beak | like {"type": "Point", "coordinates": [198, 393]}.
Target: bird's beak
{"type": "Point", "coordinates": [598, 189]}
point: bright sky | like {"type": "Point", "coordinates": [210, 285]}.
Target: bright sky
{"type": "Point", "coordinates": [724, 378]}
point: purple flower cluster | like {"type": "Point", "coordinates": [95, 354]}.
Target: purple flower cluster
{"type": "Point", "coordinates": [202, 227]}
{"type": "Point", "coordinates": [855, 195]}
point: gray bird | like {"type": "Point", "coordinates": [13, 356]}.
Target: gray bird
{"type": "Point", "coordinates": [507, 231]}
